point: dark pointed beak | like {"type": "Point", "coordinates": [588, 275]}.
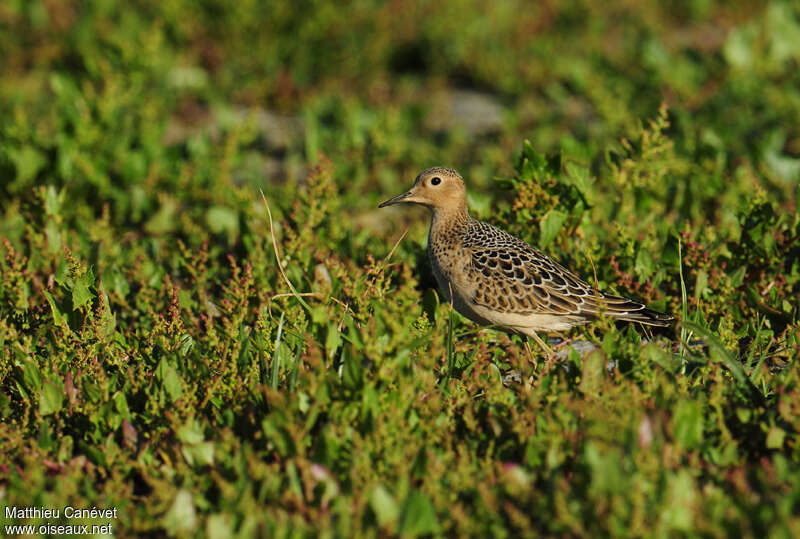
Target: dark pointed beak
{"type": "Point", "coordinates": [396, 200]}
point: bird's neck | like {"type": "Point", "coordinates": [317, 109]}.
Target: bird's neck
{"type": "Point", "coordinates": [446, 221]}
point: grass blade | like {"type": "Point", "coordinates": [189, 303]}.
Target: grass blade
{"type": "Point", "coordinates": [276, 358]}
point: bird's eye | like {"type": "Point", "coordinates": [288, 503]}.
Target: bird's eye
{"type": "Point", "coordinates": [436, 181]}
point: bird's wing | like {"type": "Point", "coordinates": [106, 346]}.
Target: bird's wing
{"type": "Point", "coordinates": [513, 277]}
{"type": "Point", "coordinates": [518, 279]}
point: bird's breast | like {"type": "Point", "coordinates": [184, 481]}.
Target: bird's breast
{"type": "Point", "coordinates": [451, 267]}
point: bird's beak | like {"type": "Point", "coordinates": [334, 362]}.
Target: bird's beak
{"type": "Point", "coordinates": [405, 197]}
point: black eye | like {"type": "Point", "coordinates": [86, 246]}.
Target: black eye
{"type": "Point", "coordinates": [436, 181]}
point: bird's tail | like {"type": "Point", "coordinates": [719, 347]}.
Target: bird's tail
{"type": "Point", "coordinates": [632, 311]}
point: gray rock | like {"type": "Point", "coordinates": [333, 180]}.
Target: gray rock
{"type": "Point", "coordinates": [476, 113]}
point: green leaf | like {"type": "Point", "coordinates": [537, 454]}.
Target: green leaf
{"type": "Point", "coordinates": [53, 200]}
{"type": "Point", "coordinates": [53, 233]}
{"type": "Point", "coordinates": [186, 345]}
{"type": "Point", "coordinates": [737, 277]}
{"type": "Point", "coordinates": [775, 437]}
{"type": "Point", "coordinates": [370, 401]}
{"type": "Point", "coordinates": [201, 454]}
{"type": "Point", "coordinates": [644, 265]}
{"type": "Point", "coordinates": [786, 168]}
{"type": "Point", "coordinates": [181, 516]}
{"type": "Point", "coordinates": [418, 516]}
{"type": "Point", "coordinates": [277, 436]}
{"type": "Point", "coordinates": [701, 283]}
{"type": "Point", "coordinates": [46, 440]}
{"type": "Point", "coordinates": [65, 448]}
{"type": "Point", "coordinates": [51, 399]}
{"type": "Point", "coordinates": [108, 321]}
{"type": "Point", "coordinates": [353, 371]}
{"type": "Point", "coordinates": [303, 402]}
{"type": "Point", "coordinates": [94, 454]}
{"type": "Point", "coordinates": [59, 318]}
{"type": "Point", "coordinates": [191, 433]}
{"type": "Point", "coordinates": [578, 176]}
{"type": "Point", "coordinates": [738, 48]}
{"type": "Point", "coordinates": [164, 219]}
{"type": "Point", "coordinates": [532, 164]}
{"type": "Point", "coordinates": [677, 512]}
{"type": "Point", "coordinates": [28, 161]}
{"type": "Point", "coordinates": [687, 424]}
{"type": "Point", "coordinates": [653, 352]}
{"type": "Point", "coordinates": [594, 366]}
{"type": "Point", "coordinates": [172, 383]}
{"type": "Point", "coordinates": [219, 525]}
{"type": "Point", "coordinates": [383, 505]}
{"type": "Point", "coordinates": [121, 404]}
{"type": "Point", "coordinates": [783, 29]}
{"type": "Point", "coordinates": [80, 290]}
{"type": "Point", "coordinates": [550, 225]}
{"type": "Point", "coordinates": [607, 474]}
{"type": "Point", "coordinates": [31, 376]}
{"type": "Point", "coordinates": [333, 339]}
{"type": "Point", "coordinates": [221, 219]}
{"type": "Point", "coordinates": [92, 391]}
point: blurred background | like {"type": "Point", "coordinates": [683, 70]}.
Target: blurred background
{"type": "Point", "coordinates": [98, 95]}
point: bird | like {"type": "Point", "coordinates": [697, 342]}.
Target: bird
{"type": "Point", "coordinates": [498, 280]}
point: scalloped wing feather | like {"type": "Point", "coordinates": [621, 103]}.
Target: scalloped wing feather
{"type": "Point", "coordinates": [515, 278]}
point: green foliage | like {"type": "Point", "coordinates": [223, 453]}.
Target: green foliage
{"type": "Point", "coordinates": [168, 350]}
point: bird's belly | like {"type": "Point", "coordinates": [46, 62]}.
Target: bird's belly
{"type": "Point", "coordinates": [524, 323]}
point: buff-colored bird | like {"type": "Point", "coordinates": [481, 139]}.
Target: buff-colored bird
{"type": "Point", "coordinates": [496, 279]}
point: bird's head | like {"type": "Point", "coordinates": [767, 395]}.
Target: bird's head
{"type": "Point", "coordinates": [438, 188]}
